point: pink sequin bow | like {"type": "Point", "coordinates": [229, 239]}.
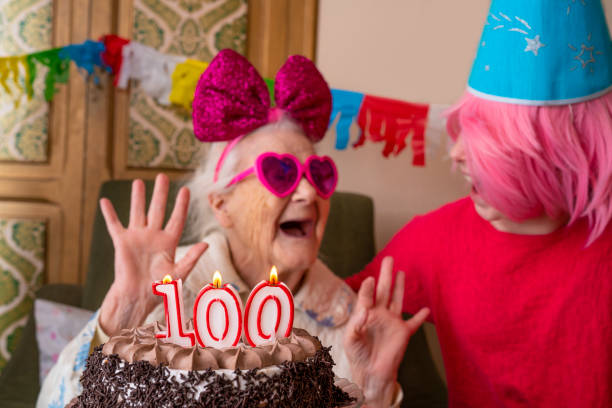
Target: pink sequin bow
{"type": "Point", "coordinates": [232, 99]}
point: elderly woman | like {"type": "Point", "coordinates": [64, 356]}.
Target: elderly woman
{"type": "Point", "coordinates": [260, 200]}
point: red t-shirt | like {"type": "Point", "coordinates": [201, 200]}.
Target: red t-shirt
{"type": "Point", "coordinates": [523, 321]}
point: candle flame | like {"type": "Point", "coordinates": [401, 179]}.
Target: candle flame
{"type": "Point", "coordinates": [274, 275]}
{"type": "Point", "coordinates": [167, 279]}
{"type": "Point", "coordinates": [217, 280]}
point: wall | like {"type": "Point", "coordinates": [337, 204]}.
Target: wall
{"type": "Point", "coordinates": [414, 50]}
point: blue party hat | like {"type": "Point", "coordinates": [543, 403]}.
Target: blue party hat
{"type": "Point", "coordinates": [543, 52]}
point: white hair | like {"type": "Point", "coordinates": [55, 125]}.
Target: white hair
{"type": "Point", "coordinates": [201, 220]}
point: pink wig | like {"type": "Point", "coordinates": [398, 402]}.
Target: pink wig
{"type": "Point", "coordinates": [527, 161]}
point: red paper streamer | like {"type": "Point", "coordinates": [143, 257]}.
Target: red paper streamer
{"type": "Point", "coordinates": [113, 53]}
{"type": "Point", "coordinates": [392, 122]}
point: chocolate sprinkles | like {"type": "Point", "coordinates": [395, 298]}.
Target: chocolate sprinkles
{"type": "Point", "coordinates": [109, 381]}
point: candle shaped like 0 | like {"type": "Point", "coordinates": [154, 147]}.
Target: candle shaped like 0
{"type": "Point", "coordinates": [217, 315]}
{"type": "Point", "coordinates": [269, 311]}
{"type": "Point", "coordinates": [172, 292]}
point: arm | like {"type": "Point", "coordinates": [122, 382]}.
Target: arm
{"type": "Point", "coordinates": [144, 252]}
{"type": "Point", "coordinates": [376, 336]}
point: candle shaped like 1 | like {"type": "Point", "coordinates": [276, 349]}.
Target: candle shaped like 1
{"type": "Point", "coordinates": [217, 315]}
{"type": "Point", "coordinates": [269, 311]}
{"type": "Point", "coordinates": [172, 292]}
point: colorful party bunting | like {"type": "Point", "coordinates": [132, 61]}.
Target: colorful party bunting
{"type": "Point", "coordinates": [173, 79]}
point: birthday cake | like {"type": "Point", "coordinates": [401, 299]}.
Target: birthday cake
{"type": "Point", "coordinates": [136, 369]}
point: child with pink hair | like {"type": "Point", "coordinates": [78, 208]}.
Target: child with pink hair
{"type": "Point", "coordinates": [518, 275]}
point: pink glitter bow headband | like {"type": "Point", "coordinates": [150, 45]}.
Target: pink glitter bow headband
{"type": "Point", "coordinates": [232, 99]}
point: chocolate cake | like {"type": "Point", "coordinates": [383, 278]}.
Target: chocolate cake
{"type": "Point", "coordinates": [135, 369]}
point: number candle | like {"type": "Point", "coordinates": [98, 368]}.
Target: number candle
{"type": "Point", "coordinates": [218, 315]}
{"type": "Point", "coordinates": [172, 292]}
{"type": "Point", "coordinates": [269, 311]}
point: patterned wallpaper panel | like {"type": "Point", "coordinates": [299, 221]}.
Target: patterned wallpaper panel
{"type": "Point", "coordinates": [25, 26]}
{"type": "Point", "coordinates": [163, 136]}
{"type": "Point", "coordinates": [22, 254]}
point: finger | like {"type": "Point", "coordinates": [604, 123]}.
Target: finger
{"type": "Point", "coordinates": [185, 265]}
{"type": "Point", "coordinates": [137, 205]}
{"type": "Point", "coordinates": [157, 208]}
{"type": "Point", "coordinates": [417, 320]}
{"type": "Point", "coordinates": [179, 213]}
{"type": "Point", "coordinates": [383, 286]}
{"type": "Point", "coordinates": [110, 218]}
{"type": "Point", "coordinates": [397, 298]}
{"type": "Point", "coordinates": [356, 324]}
{"type": "Point", "coordinates": [359, 317]}
{"type": "Point", "coordinates": [365, 296]}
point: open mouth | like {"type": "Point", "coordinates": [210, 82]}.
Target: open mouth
{"type": "Point", "coordinates": [468, 178]}
{"type": "Point", "coordinates": [296, 228]}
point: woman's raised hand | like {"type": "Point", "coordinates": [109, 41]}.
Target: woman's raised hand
{"type": "Point", "coordinates": [377, 336]}
{"type": "Point", "coordinates": [144, 252]}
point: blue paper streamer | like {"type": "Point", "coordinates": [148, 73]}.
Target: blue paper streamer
{"type": "Point", "coordinates": [346, 104]}
{"type": "Point", "coordinates": [86, 55]}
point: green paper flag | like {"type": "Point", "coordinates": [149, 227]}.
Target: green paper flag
{"type": "Point", "coordinates": [59, 70]}
{"type": "Point", "coordinates": [270, 83]}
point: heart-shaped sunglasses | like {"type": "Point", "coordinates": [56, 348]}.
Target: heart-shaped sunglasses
{"type": "Point", "coordinates": [281, 173]}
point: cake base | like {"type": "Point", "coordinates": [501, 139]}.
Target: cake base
{"type": "Point", "coordinates": [109, 381]}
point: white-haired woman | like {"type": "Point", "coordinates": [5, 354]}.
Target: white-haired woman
{"type": "Point", "coordinates": [247, 218]}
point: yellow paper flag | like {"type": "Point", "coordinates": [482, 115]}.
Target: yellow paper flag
{"type": "Point", "coordinates": [184, 80]}
{"type": "Point", "coordinates": [9, 66]}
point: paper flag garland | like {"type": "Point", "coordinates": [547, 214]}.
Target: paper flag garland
{"type": "Point", "coordinates": [173, 79]}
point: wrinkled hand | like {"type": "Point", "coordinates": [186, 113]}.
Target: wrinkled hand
{"type": "Point", "coordinates": [377, 336]}
{"type": "Point", "coordinates": [144, 252]}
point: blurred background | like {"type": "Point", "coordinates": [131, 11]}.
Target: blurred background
{"type": "Point", "coordinates": [55, 155]}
